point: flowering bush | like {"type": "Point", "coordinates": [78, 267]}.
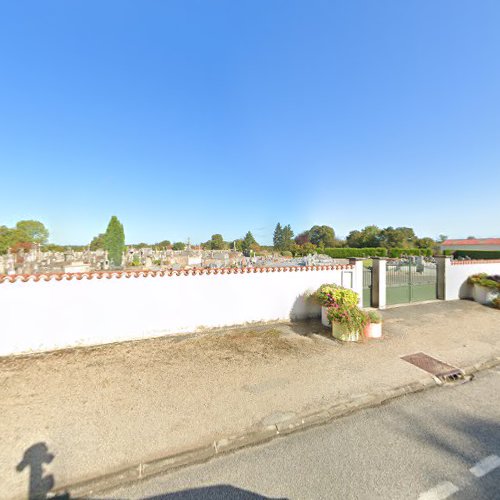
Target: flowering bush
{"type": "Point", "coordinates": [484, 280]}
{"type": "Point", "coordinates": [352, 317]}
{"type": "Point", "coordinates": [327, 295]}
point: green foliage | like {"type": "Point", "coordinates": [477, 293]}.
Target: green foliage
{"type": "Point", "coordinates": [329, 294]}
{"type": "Point", "coordinates": [399, 237]}
{"type": "Point", "coordinates": [496, 302]}
{"type": "Point", "coordinates": [278, 237]}
{"type": "Point", "coordinates": [237, 245]}
{"type": "Point", "coordinates": [425, 243]}
{"type": "Point", "coordinates": [396, 253]}
{"type": "Point", "coordinates": [34, 230]}
{"type": "Point", "coordinates": [114, 241]}
{"type": "Point", "coordinates": [136, 261]}
{"type": "Point", "coordinates": [249, 243]}
{"type": "Point", "coordinates": [352, 317]}
{"type": "Point", "coordinates": [346, 253]}
{"type": "Point", "coordinates": [286, 253]}
{"type": "Point", "coordinates": [163, 244]}
{"type": "Point", "coordinates": [216, 242]}
{"type": "Point", "coordinates": [179, 245]}
{"type": "Point", "coordinates": [367, 237]}
{"type": "Point", "coordinates": [477, 254]}
{"type": "Point", "coordinates": [287, 236]}
{"type": "Point", "coordinates": [373, 317]}
{"type": "Point", "coordinates": [486, 280]}
{"type": "Point", "coordinates": [98, 242]}
{"type": "Point", "coordinates": [322, 236]}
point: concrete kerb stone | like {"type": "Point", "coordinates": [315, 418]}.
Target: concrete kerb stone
{"type": "Point", "coordinates": [258, 436]}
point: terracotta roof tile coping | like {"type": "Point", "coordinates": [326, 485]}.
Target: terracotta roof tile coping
{"type": "Point", "coordinates": [12, 278]}
{"type": "Point", "coordinates": [478, 261]}
{"type": "Point", "coordinates": [475, 241]}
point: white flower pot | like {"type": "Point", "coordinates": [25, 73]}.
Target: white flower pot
{"type": "Point", "coordinates": [341, 332]}
{"type": "Point", "coordinates": [483, 294]}
{"type": "Point", "coordinates": [324, 316]}
{"type": "Point", "coordinates": [373, 330]}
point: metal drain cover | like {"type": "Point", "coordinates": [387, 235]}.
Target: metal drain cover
{"type": "Point", "coordinates": [435, 367]}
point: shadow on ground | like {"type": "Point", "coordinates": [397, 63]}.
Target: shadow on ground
{"type": "Point", "coordinates": [222, 491]}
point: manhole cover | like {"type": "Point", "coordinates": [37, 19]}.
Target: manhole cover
{"type": "Point", "coordinates": [432, 365]}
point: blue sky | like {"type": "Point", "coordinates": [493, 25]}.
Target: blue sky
{"type": "Point", "coordinates": [187, 118]}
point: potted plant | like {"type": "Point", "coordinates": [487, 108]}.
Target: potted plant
{"type": "Point", "coordinates": [373, 328]}
{"type": "Point", "coordinates": [348, 322]}
{"type": "Point", "coordinates": [485, 288]}
{"type": "Point", "coordinates": [329, 294]}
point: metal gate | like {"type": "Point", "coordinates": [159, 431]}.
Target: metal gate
{"type": "Point", "coordinates": [367, 286]}
{"type": "Point", "coordinates": [410, 280]}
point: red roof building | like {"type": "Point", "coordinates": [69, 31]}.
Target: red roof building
{"type": "Point", "coordinates": [472, 244]}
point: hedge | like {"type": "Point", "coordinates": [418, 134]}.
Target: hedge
{"type": "Point", "coordinates": [398, 252]}
{"type": "Point", "coordinates": [477, 254]}
{"type": "Point", "coordinates": [345, 253]}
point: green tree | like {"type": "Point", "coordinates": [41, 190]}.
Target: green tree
{"type": "Point", "coordinates": [322, 236]}
{"type": "Point", "coordinates": [425, 243]}
{"type": "Point", "coordinates": [367, 237]}
{"type": "Point", "coordinates": [287, 238]}
{"type": "Point", "coordinates": [237, 245]}
{"type": "Point", "coordinates": [249, 243]}
{"type": "Point", "coordinates": [114, 240]}
{"type": "Point", "coordinates": [399, 237]}
{"type": "Point", "coordinates": [5, 239]}
{"type": "Point", "coordinates": [98, 242]}
{"type": "Point", "coordinates": [216, 242]}
{"type": "Point", "coordinates": [441, 238]}
{"type": "Point", "coordinates": [179, 245]}
{"type": "Point", "coordinates": [34, 230]}
{"type": "Point", "coordinates": [163, 244]}
{"type": "Point", "coordinates": [278, 237]}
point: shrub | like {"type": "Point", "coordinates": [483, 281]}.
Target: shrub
{"type": "Point", "coordinates": [352, 317]}
{"type": "Point", "coordinates": [346, 253]}
{"type": "Point", "coordinates": [496, 302]}
{"type": "Point", "coordinates": [396, 253]}
{"type": "Point", "coordinates": [476, 254]}
{"type": "Point", "coordinates": [329, 294]}
{"type": "Point", "coordinates": [484, 280]}
{"type": "Point", "coordinates": [286, 253]}
{"type": "Point", "coordinates": [373, 317]}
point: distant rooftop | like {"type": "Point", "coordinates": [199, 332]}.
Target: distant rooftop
{"type": "Point", "coordinates": [472, 241]}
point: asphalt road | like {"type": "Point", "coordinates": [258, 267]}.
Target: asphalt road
{"type": "Point", "coordinates": [443, 443]}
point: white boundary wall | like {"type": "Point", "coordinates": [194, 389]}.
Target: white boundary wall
{"type": "Point", "coordinates": [53, 314]}
{"type": "Point", "coordinates": [456, 275]}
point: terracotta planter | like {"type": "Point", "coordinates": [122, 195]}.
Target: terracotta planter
{"type": "Point", "coordinates": [341, 332]}
{"type": "Point", "coordinates": [373, 330]}
{"type": "Point", "coordinates": [324, 316]}
{"type": "Point", "coordinates": [483, 294]}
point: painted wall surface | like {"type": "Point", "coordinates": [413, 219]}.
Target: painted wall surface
{"type": "Point", "coordinates": [457, 274]}
{"type": "Point", "coordinates": [46, 315]}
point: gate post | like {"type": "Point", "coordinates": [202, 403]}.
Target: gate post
{"type": "Point", "coordinates": [443, 264]}
{"type": "Point", "coordinates": [379, 282]}
{"type": "Point", "coordinates": [357, 284]}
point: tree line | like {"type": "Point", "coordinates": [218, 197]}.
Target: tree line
{"type": "Point", "coordinates": [26, 233]}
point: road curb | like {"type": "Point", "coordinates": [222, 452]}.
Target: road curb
{"type": "Point", "coordinates": [257, 435]}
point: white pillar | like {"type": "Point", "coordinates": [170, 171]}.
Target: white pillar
{"type": "Point", "coordinates": [357, 281]}
{"type": "Point", "coordinates": [443, 265]}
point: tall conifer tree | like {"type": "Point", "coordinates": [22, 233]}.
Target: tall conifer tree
{"type": "Point", "coordinates": [114, 239]}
